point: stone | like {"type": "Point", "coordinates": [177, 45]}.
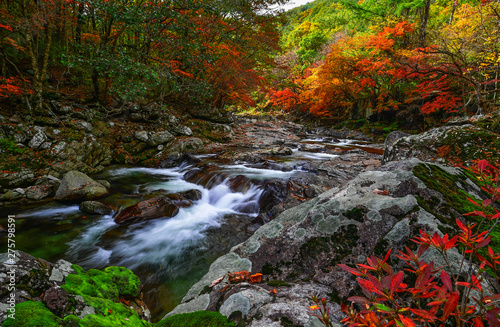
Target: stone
{"type": "Point", "coordinates": [37, 140]}
{"type": "Point", "coordinates": [95, 208]}
{"type": "Point", "coordinates": [10, 195]}
{"type": "Point", "coordinates": [83, 125]}
{"type": "Point", "coordinates": [160, 138]}
{"type": "Point", "coordinates": [39, 192]}
{"type": "Point", "coordinates": [141, 136]}
{"type": "Point", "coordinates": [157, 207]}
{"type": "Point", "coordinates": [103, 182]}
{"type": "Point", "coordinates": [62, 268]}
{"type": "Point", "coordinates": [56, 299]}
{"type": "Point", "coordinates": [136, 117]}
{"type": "Point", "coordinates": [78, 186]}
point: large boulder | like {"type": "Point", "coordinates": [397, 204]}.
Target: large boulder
{"type": "Point", "coordinates": [299, 251]}
{"type": "Point", "coordinates": [78, 186]}
{"type": "Point", "coordinates": [157, 207]}
{"type": "Point", "coordinates": [462, 144]}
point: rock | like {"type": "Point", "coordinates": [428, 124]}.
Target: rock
{"type": "Point", "coordinates": [56, 299]}
{"type": "Point", "coordinates": [39, 192]}
{"type": "Point", "coordinates": [177, 159]}
{"type": "Point", "coordinates": [11, 195]}
{"type": "Point", "coordinates": [23, 178]}
{"type": "Point", "coordinates": [78, 186]}
{"type": "Point", "coordinates": [193, 195]}
{"type": "Point", "coordinates": [95, 208]}
{"type": "Point", "coordinates": [104, 183]}
{"type": "Point", "coordinates": [307, 242]}
{"type": "Point", "coordinates": [158, 207]}
{"type": "Point", "coordinates": [160, 138]}
{"type": "Point", "coordinates": [83, 125]}
{"type": "Point", "coordinates": [183, 145]}
{"type": "Point", "coordinates": [282, 151]}
{"type": "Point", "coordinates": [393, 137]}
{"type": "Point", "coordinates": [141, 136]}
{"type": "Point", "coordinates": [136, 117]}
{"type": "Point", "coordinates": [37, 140]}
{"type": "Point", "coordinates": [61, 269]}
{"type": "Point", "coordinates": [464, 142]}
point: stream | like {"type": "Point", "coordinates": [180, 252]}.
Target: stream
{"type": "Point", "coordinates": [169, 255]}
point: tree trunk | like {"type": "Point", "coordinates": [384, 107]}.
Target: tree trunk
{"type": "Point", "coordinates": [455, 4]}
{"type": "Point", "coordinates": [79, 23]}
{"type": "Point", "coordinates": [423, 22]}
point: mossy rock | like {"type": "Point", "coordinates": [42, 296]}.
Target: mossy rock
{"type": "Point", "coordinates": [32, 314]}
{"type": "Point", "coordinates": [196, 319]}
{"type": "Point", "coordinates": [111, 283]}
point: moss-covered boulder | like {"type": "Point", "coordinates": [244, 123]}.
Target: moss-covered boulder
{"type": "Point", "coordinates": [459, 144]}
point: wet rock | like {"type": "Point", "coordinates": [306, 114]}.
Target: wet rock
{"type": "Point", "coordinates": [274, 192]}
{"type": "Point", "coordinates": [240, 184]}
{"type": "Point", "coordinates": [95, 208]}
{"type": "Point", "coordinates": [176, 160]}
{"type": "Point", "coordinates": [207, 176]}
{"type": "Point", "coordinates": [158, 207]}
{"type": "Point", "coordinates": [56, 299]}
{"type": "Point", "coordinates": [193, 195]}
{"type": "Point", "coordinates": [39, 192]}
{"type": "Point", "coordinates": [179, 200]}
{"type": "Point", "coordinates": [78, 186]}
{"type": "Point", "coordinates": [160, 138]}
{"type": "Point", "coordinates": [393, 137]}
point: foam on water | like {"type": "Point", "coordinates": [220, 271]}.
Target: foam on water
{"type": "Point", "coordinates": [257, 173]}
{"type": "Point", "coordinates": [52, 212]}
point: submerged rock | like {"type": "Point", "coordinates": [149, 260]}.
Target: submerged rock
{"type": "Point", "coordinates": [78, 186]}
{"type": "Point", "coordinates": [157, 207]}
{"type": "Point", "coordinates": [95, 208]}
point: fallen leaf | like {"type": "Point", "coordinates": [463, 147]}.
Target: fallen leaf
{"type": "Point", "coordinates": [217, 281]}
{"type": "Point", "coordinates": [255, 278]}
{"type": "Point", "coordinates": [380, 192]}
{"type": "Point", "coordinates": [273, 291]}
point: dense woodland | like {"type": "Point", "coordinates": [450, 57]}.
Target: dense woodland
{"type": "Point", "coordinates": [337, 59]}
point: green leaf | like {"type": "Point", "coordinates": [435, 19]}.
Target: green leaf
{"type": "Point", "coordinates": [382, 307]}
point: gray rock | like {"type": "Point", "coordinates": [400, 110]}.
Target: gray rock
{"type": "Point", "coordinates": [61, 269]}
{"type": "Point", "coordinates": [78, 186]}
{"type": "Point", "coordinates": [10, 195]}
{"type": "Point", "coordinates": [160, 138]}
{"type": "Point", "coordinates": [37, 140]}
{"type": "Point", "coordinates": [104, 183]}
{"type": "Point", "coordinates": [39, 192]}
{"type": "Point", "coordinates": [141, 136]}
{"type": "Point", "coordinates": [47, 180]}
{"type": "Point", "coordinates": [83, 125]}
{"type": "Point", "coordinates": [95, 208]}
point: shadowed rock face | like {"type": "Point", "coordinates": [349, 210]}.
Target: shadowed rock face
{"type": "Point", "coordinates": [299, 251]}
{"type": "Point", "coordinates": [157, 207]}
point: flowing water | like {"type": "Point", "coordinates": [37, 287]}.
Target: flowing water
{"type": "Point", "coordinates": [169, 255]}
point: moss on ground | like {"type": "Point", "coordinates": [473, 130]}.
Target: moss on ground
{"type": "Point", "coordinates": [196, 319]}
{"type": "Point", "coordinates": [111, 283]}
{"type": "Point", "coordinates": [32, 314]}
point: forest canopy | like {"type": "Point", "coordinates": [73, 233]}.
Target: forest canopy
{"type": "Point", "coordinates": [188, 51]}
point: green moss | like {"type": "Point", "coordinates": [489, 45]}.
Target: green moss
{"type": "Point", "coordinates": [109, 313]}
{"type": "Point", "coordinates": [196, 319]}
{"type": "Point", "coordinates": [357, 214]}
{"type": "Point", "coordinates": [277, 283]}
{"type": "Point", "coordinates": [447, 185]}
{"type": "Point", "coordinates": [111, 283]}
{"type": "Point", "coordinates": [269, 269]}
{"type": "Point", "coordinates": [32, 314]}
{"type": "Point", "coordinates": [473, 143]}
{"type": "Point", "coordinates": [285, 322]}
